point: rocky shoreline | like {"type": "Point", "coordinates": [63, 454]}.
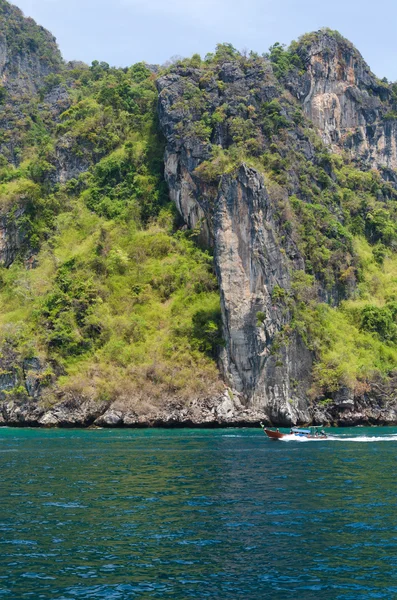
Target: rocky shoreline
{"type": "Point", "coordinates": [220, 412]}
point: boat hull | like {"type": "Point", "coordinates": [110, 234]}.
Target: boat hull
{"type": "Point", "coordinates": [277, 435]}
{"type": "Point", "coordinates": [274, 435]}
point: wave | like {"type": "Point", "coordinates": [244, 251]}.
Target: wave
{"type": "Point", "coordinates": [342, 438]}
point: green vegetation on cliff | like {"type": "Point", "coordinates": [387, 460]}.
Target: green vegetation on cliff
{"type": "Point", "coordinates": [120, 304]}
{"type": "Point", "coordinates": [25, 38]}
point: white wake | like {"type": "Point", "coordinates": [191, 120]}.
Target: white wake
{"type": "Point", "coordinates": [341, 438]}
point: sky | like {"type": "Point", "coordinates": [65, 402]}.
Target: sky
{"type": "Point", "coordinates": [122, 32]}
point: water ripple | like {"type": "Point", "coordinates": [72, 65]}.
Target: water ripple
{"type": "Point", "coordinates": [196, 514]}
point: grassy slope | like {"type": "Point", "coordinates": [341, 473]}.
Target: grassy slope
{"type": "Point", "coordinates": [120, 305]}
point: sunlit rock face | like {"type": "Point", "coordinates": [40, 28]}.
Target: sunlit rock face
{"type": "Point", "coordinates": [345, 101]}
{"type": "Point", "coordinates": [250, 263]}
{"type": "Point", "coordinates": [237, 220]}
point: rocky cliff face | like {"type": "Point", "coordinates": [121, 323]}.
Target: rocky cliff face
{"type": "Point", "coordinates": [253, 258]}
{"type": "Point", "coordinates": [28, 55]}
{"type": "Point", "coordinates": [28, 52]}
{"type": "Point", "coordinates": [250, 263]}
{"type": "Point", "coordinates": [266, 363]}
{"type": "Point", "coordinates": [11, 238]}
{"type": "Point", "coordinates": [184, 96]}
{"type": "Point", "coordinates": [344, 100]}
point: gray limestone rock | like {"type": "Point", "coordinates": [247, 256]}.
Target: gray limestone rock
{"type": "Point", "coordinates": [238, 219]}
{"type": "Point", "coordinates": [11, 236]}
{"type": "Point", "coordinates": [345, 101]}
{"type": "Point", "coordinates": [250, 262]}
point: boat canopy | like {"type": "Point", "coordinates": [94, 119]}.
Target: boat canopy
{"type": "Point", "coordinates": [298, 430]}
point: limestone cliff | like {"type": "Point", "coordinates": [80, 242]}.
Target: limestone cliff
{"type": "Point", "coordinates": [206, 117]}
{"type": "Point", "coordinates": [238, 216]}
{"type": "Point", "coordinates": [348, 104]}
{"type": "Point", "coordinates": [250, 264]}
{"type": "Point", "coordinates": [285, 174]}
{"type": "Point", "coordinates": [28, 55]}
{"type": "Point", "coordinates": [28, 52]}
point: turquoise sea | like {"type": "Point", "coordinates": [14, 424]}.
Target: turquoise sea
{"type": "Point", "coordinates": [183, 514]}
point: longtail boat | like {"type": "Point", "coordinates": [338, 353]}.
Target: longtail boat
{"type": "Point", "coordinates": [298, 432]}
{"type": "Point", "coordinates": [274, 435]}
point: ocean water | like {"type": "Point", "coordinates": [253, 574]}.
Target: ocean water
{"type": "Point", "coordinates": [196, 514]}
